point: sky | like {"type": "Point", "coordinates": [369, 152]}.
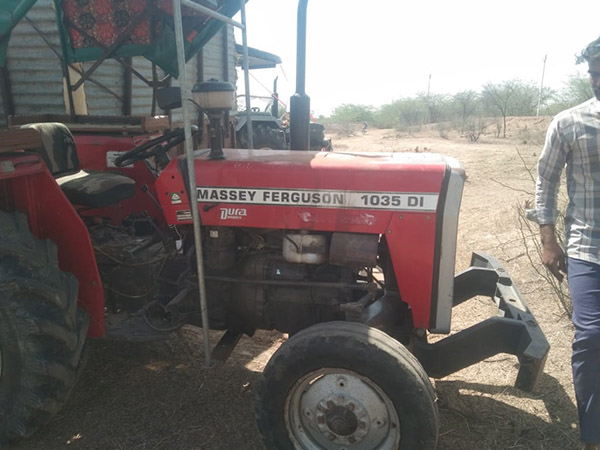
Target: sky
{"type": "Point", "coordinates": [377, 51]}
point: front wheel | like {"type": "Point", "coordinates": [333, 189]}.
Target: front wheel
{"type": "Point", "coordinates": [341, 385]}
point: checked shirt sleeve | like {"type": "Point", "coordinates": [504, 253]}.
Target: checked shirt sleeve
{"type": "Point", "coordinates": [550, 166]}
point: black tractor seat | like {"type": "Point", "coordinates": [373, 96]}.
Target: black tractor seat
{"type": "Point", "coordinates": [96, 189]}
{"type": "Point", "coordinates": [82, 188]}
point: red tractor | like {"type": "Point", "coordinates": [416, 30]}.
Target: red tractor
{"type": "Point", "coordinates": [351, 254]}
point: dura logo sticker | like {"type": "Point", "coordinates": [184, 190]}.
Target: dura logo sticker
{"type": "Point", "coordinates": [232, 213]}
{"type": "Point", "coordinates": [175, 198]}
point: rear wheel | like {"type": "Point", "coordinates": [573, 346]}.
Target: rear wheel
{"type": "Point", "coordinates": [342, 385]}
{"type": "Point", "coordinates": [42, 331]}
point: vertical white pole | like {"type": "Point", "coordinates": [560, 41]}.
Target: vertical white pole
{"type": "Point", "coordinates": [539, 102]}
{"type": "Point", "coordinates": [185, 104]}
{"type": "Point", "coordinates": [246, 76]}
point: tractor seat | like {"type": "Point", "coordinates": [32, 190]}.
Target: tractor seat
{"type": "Point", "coordinates": [87, 189]}
{"type": "Point", "coordinates": [96, 189]}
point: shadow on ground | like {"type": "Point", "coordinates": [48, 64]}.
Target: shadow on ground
{"type": "Point", "coordinates": [480, 416]}
{"type": "Point", "coordinates": [161, 397]}
{"type": "Point", "coordinates": [156, 396]}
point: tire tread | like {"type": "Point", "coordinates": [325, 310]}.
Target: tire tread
{"type": "Point", "coordinates": [39, 301]}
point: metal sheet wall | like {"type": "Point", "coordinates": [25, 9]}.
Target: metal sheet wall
{"type": "Point", "coordinates": [111, 74]}
{"type": "Point", "coordinates": [36, 76]}
{"type": "Point", "coordinates": [34, 69]}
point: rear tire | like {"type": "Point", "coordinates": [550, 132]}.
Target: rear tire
{"type": "Point", "coordinates": [42, 331]}
{"type": "Point", "coordinates": [341, 385]}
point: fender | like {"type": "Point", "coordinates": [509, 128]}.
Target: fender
{"type": "Point", "coordinates": [26, 185]}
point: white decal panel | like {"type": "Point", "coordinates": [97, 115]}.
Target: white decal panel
{"type": "Point", "coordinates": [184, 215]}
{"type": "Point", "coordinates": [316, 198]}
{"type": "Point", "coordinates": [111, 156]}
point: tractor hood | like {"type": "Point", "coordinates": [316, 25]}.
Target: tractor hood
{"type": "Point", "coordinates": [91, 29]}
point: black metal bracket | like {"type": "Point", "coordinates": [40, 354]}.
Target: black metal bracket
{"type": "Point", "coordinates": [515, 331]}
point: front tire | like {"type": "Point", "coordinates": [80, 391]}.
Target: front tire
{"type": "Point", "coordinates": [341, 385]}
{"type": "Point", "coordinates": [42, 331]}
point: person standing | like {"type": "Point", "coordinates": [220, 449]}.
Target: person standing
{"type": "Point", "coordinates": [573, 140]}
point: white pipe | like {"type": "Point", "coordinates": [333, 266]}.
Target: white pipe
{"type": "Point", "coordinates": [185, 104]}
{"type": "Point", "coordinates": [246, 77]}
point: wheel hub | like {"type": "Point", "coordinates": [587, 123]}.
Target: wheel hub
{"type": "Point", "coordinates": [338, 409]}
{"type": "Point", "coordinates": [342, 419]}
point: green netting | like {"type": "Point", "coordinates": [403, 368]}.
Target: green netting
{"type": "Point", "coordinates": [161, 48]}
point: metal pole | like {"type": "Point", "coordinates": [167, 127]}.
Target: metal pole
{"type": "Point", "coordinates": [185, 104]}
{"type": "Point", "coordinates": [246, 76]}
{"type": "Point", "coordinates": [537, 111]}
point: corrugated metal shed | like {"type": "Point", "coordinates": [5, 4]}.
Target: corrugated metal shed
{"type": "Point", "coordinates": [35, 73]}
{"type": "Point", "coordinates": [34, 69]}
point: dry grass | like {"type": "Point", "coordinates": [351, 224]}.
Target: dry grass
{"type": "Point", "coordinates": [159, 396]}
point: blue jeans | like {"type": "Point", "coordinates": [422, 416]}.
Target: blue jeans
{"type": "Point", "coordinates": [584, 284]}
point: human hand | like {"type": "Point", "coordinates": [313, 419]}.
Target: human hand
{"type": "Point", "coordinates": [554, 259]}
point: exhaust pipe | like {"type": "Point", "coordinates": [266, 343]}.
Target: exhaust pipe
{"type": "Point", "coordinates": [300, 102]}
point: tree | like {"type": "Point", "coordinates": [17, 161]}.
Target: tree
{"type": "Point", "coordinates": [465, 105]}
{"type": "Point", "coordinates": [388, 115]}
{"type": "Point", "coordinates": [436, 106]}
{"type": "Point", "coordinates": [411, 111]}
{"type": "Point", "coordinates": [349, 112]}
{"type": "Point", "coordinates": [405, 112]}
{"type": "Point", "coordinates": [577, 89]}
{"type": "Point", "coordinates": [524, 103]}
{"type": "Point", "coordinates": [500, 98]}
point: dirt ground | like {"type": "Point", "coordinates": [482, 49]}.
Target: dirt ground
{"type": "Point", "coordinates": [160, 396]}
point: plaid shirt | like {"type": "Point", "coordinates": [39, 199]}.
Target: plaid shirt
{"type": "Point", "coordinates": [573, 139]}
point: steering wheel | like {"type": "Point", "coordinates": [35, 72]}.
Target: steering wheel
{"type": "Point", "coordinates": [153, 147]}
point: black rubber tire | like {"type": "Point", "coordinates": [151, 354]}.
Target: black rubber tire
{"type": "Point", "coordinates": [263, 137]}
{"type": "Point", "coordinates": [42, 331]}
{"type": "Point", "coordinates": [351, 347]}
